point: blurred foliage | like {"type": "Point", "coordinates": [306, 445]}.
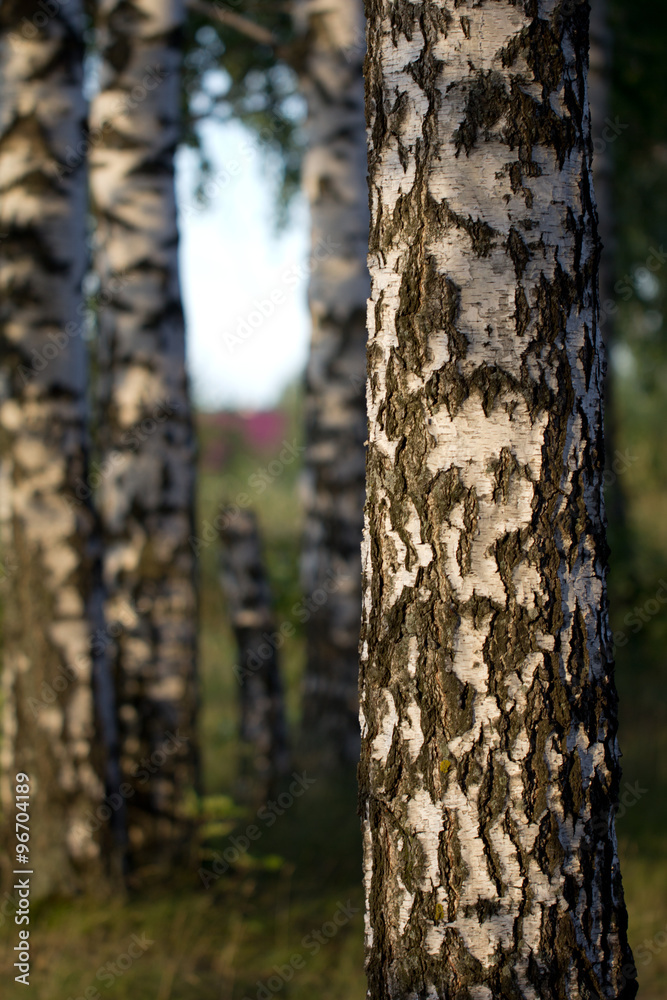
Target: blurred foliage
{"type": "Point", "coordinates": [638, 369]}
{"type": "Point", "coordinates": [228, 75]}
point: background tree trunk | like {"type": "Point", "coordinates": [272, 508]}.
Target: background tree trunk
{"type": "Point", "coordinates": [54, 729]}
{"type": "Point", "coordinates": [606, 130]}
{"type": "Point", "coordinates": [147, 452]}
{"type": "Point", "coordinates": [334, 182]}
{"type": "Point", "coordinates": [263, 729]}
{"type": "Point", "coordinates": [490, 762]}
{"type": "Point", "coordinates": [603, 136]}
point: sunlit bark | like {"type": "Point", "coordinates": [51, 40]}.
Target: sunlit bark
{"type": "Point", "coordinates": [57, 711]}
{"type": "Point", "coordinates": [146, 481]}
{"type": "Point", "coordinates": [490, 762]}
{"type": "Point", "coordinates": [335, 186]}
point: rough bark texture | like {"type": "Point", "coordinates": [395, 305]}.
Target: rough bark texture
{"type": "Point", "coordinates": [490, 762]}
{"type": "Point", "coordinates": [57, 706]}
{"type": "Point", "coordinates": [246, 587]}
{"type": "Point", "coordinates": [146, 476]}
{"type": "Point", "coordinates": [334, 183]}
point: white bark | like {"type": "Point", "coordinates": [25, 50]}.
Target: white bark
{"type": "Point", "coordinates": [52, 728]}
{"type": "Point", "coordinates": [334, 183]}
{"type": "Point", "coordinates": [146, 436]}
{"type": "Point", "coordinates": [489, 743]}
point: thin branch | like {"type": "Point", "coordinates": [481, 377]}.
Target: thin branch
{"type": "Point", "coordinates": [235, 21]}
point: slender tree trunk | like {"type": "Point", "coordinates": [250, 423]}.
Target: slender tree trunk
{"type": "Point", "coordinates": [57, 708]}
{"type": "Point", "coordinates": [146, 474]}
{"type": "Point", "coordinates": [334, 183]}
{"type": "Point", "coordinates": [263, 729]}
{"type": "Point", "coordinates": [490, 762]}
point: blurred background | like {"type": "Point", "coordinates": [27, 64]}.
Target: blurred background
{"type": "Point", "coordinates": [245, 235]}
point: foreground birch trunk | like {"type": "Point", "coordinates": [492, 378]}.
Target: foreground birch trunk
{"type": "Point", "coordinates": [146, 476]}
{"type": "Point", "coordinates": [490, 762]}
{"type": "Point", "coordinates": [334, 183]}
{"type": "Point", "coordinates": [57, 708]}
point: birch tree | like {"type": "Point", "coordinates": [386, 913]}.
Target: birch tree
{"type": "Point", "coordinates": [490, 761]}
{"type": "Point", "coordinates": [146, 479]}
{"type": "Point", "coordinates": [57, 711]}
{"type": "Point", "coordinates": [263, 727]}
{"type": "Point", "coordinates": [334, 172]}
{"type": "Point", "coordinates": [325, 48]}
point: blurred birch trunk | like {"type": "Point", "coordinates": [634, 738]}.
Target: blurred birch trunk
{"type": "Point", "coordinates": [146, 479]}
{"type": "Point", "coordinates": [335, 187]}
{"type": "Point", "coordinates": [263, 728]}
{"type": "Point", "coordinates": [58, 713]}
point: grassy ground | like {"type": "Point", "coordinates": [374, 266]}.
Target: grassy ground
{"type": "Point", "coordinates": [252, 932]}
{"type": "Point", "coordinates": [225, 941]}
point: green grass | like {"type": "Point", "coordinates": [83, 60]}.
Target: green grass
{"type": "Point", "coordinates": [221, 941]}
{"type": "Point", "coordinates": [218, 943]}
{"type": "Point", "coordinates": [224, 942]}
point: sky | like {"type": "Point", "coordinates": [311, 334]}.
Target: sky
{"type": "Point", "coordinates": [244, 286]}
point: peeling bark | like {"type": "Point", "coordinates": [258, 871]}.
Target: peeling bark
{"type": "Point", "coordinates": [490, 760]}
{"type": "Point", "coordinates": [334, 183]}
{"type": "Point", "coordinates": [57, 715]}
{"type": "Point", "coordinates": [146, 438]}
{"type": "Point", "coordinates": [263, 729]}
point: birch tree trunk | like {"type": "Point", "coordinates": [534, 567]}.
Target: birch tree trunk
{"type": "Point", "coordinates": [146, 475]}
{"type": "Point", "coordinates": [490, 762]}
{"type": "Point", "coordinates": [334, 182]}
{"type": "Point", "coordinates": [54, 728]}
{"type": "Point", "coordinates": [263, 728]}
